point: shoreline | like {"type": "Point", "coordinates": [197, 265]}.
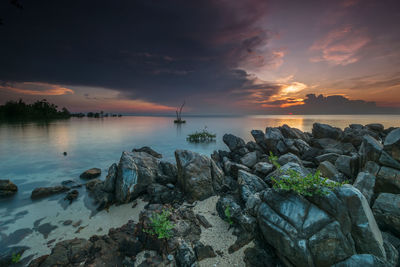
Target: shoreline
{"type": "Point", "coordinates": [238, 179]}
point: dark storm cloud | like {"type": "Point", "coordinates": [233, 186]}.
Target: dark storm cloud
{"type": "Point", "coordinates": [161, 51]}
{"type": "Point", "coordinates": [337, 104]}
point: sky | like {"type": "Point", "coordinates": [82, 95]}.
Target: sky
{"type": "Point", "coordinates": [217, 56]}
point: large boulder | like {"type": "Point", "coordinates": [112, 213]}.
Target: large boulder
{"type": "Point", "coordinates": [365, 260]}
{"type": "Point", "coordinates": [233, 142]}
{"type": "Point", "coordinates": [289, 157]}
{"type": "Point", "coordinates": [386, 160]}
{"type": "Point", "coordinates": [392, 144]}
{"type": "Point", "coordinates": [7, 188]}
{"type": "Point", "coordinates": [348, 165]}
{"type": "Point", "coordinates": [365, 182]}
{"type": "Point", "coordinates": [320, 130]}
{"type": "Point", "coordinates": [331, 157]}
{"type": "Point", "coordinates": [321, 230]}
{"type": "Point", "coordinates": [263, 168]}
{"type": "Point", "coordinates": [388, 181]}
{"type": "Point", "coordinates": [136, 170]}
{"type": "Point", "coordinates": [387, 213]}
{"type": "Point", "coordinates": [293, 133]}
{"type": "Point", "coordinates": [198, 176]}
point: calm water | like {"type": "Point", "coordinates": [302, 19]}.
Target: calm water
{"type": "Point", "coordinates": [31, 153]}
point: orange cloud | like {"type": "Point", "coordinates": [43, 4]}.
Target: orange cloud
{"type": "Point", "coordinates": [37, 88]}
{"type": "Point", "coordinates": [340, 46]}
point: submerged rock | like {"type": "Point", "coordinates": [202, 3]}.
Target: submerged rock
{"type": "Point", "coordinates": [7, 188]}
{"type": "Point", "coordinates": [148, 150]}
{"type": "Point", "coordinates": [41, 192]}
{"type": "Point", "coordinates": [91, 173]}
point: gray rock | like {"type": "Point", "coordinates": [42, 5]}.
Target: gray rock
{"type": "Point", "coordinates": [136, 170]}
{"type": "Point", "coordinates": [386, 160]}
{"type": "Point", "coordinates": [347, 165]}
{"type": "Point", "coordinates": [250, 184]}
{"type": "Point", "coordinates": [7, 188]}
{"type": "Point", "coordinates": [109, 183]}
{"type": "Point", "coordinates": [263, 168]}
{"type": "Point", "coordinates": [250, 159]}
{"type": "Point", "coordinates": [326, 131]}
{"type": "Point", "coordinates": [232, 168]}
{"type": "Point", "coordinates": [331, 157]}
{"type": "Point", "coordinates": [293, 133]}
{"type": "Point", "coordinates": [377, 127]}
{"type": "Point", "coordinates": [169, 173]}
{"type": "Point", "coordinates": [289, 157]}
{"type": "Point", "coordinates": [387, 213]}
{"type": "Point", "coordinates": [148, 150]}
{"type": "Point", "coordinates": [91, 173]}
{"type": "Point", "coordinates": [370, 149]}
{"type": "Point", "coordinates": [235, 210]}
{"type": "Point", "coordinates": [233, 142]}
{"type": "Point", "coordinates": [365, 182]}
{"type": "Point", "coordinates": [274, 141]}
{"type": "Point", "coordinates": [203, 251]}
{"type": "Point", "coordinates": [371, 167]}
{"type": "Point", "coordinates": [302, 146]}
{"type": "Point", "coordinates": [392, 144]}
{"type": "Point", "coordinates": [259, 137]}
{"type": "Point", "coordinates": [185, 256]}
{"type": "Point", "coordinates": [41, 192]}
{"type": "Point", "coordinates": [198, 176]}
{"type": "Point", "coordinates": [388, 181]}
{"type": "Point", "coordinates": [327, 170]}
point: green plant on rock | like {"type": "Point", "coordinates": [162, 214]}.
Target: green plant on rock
{"type": "Point", "coordinates": [228, 215]}
{"type": "Point", "coordinates": [309, 185]}
{"type": "Point", "coordinates": [200, 137]}
{"type": "Point", "coordinates": [15, 258]}
{"type": "Point", "coordinates": [160, 225]}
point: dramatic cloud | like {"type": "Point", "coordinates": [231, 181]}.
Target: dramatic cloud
{"type": "Point", "coordinates": [340, 46]}
{"type": "Point", "coordinates": [35, 88]}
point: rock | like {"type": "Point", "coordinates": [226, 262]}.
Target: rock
{"type": "Point", "coordinates": [258, 257]}
{"type": "Point", "coordinates": [252, 146]}
{"type": "Point", "coordinates": [169, 173]}
{"type": "Point", "coordinates": [203, 221]}
{"type": "Point", "coordinates": [136, 170]}
{"type": "Point", "coordinates": [302, 146]}
{"type": "Point", "coordinates": [388, 181]}
{"type": "Point", "coordinates": [365, 182]}
{"type": "Point", "coordinates": [371, 167]}
{"type": "Point", "coordinates": [328, 170]}
{"type": "Point", "coordinates": [347, 165]}
{"type": "Point", "coordinates": [386, 160]}
{"type": "Point", "coordinates": [101, 197]}
{"type": "Point", "coordinates": [235, 210]}
{"type": "Point", "coordinates": [387, 213]}
{"type": "Point", "coordinates": [326, 131]}
{"type": "Point", "coordinates": [370, 149]}
{"type": "Point", "coordinates": [7, 188]}
{"type": "Point", "coordinates": [321, 230]}
{"type": "Point", "coordinates": [198, 176]}
{"type": "Point", "coordinates": [377, 127]}
{"type": "Point", "coordinates": [109, 183]}
{"type": "Point", "coordinates": [232, 168]}
{"type": "Point", "coordinates": [249, 160]}
{"type": "Point", "coordinates": [289, 157]}
{"type": "Point", "coordinates": [263, 168]}
{"type": "Point", "coordinates": [6, 255]}
{"type": "Point", "coordinates": [392, 144]}
{"type": "Point", "coordinates": [331, 157]}
{"type": "Point", "coordinates": [148, 150]}
{"type": "Point", "coordinates": [233, 142]}
{"type": "Point", "coordinates": [293, 133]}
{"type": "Point", "coordinates": [274, 141]}
{"type": "Point", "coordinates": [91, 173]}
{"type": "Point", "coordinates": [365, 260]}
{"type": "Point", "coordinates": [250, 184]}
{"type": "Point", "coordinates": [203, 252]}
{"type": "Point", "coordinates": [162, 194]}
{"type": "Point", "coordinates": [72, 195]}
{"type": "Point", "coordinates": [301, 170]}
{"type": "Point", "coordinates": [185, 256]}
{"type": "Point", "coordinates": [41, 192]}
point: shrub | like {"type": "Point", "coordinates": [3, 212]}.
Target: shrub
{"type": "Point", "coordinates": [200, 137]}
{"type": "Point", "coordinates": [15, 258]}
{"type": "Point", "coordinates": [160, 225]}
{"type": "Point", "coordinates": [228, 215]}
{"type": "Point", "coordinates": [312, 184]}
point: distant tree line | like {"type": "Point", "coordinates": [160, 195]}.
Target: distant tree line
{"type": "Point", "coordinates": [41, 109]}
{"type": "Point", "coordinates": [100, 114]}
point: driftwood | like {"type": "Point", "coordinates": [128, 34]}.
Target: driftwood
{"type": "Point", "coordinates": [179, 114]}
